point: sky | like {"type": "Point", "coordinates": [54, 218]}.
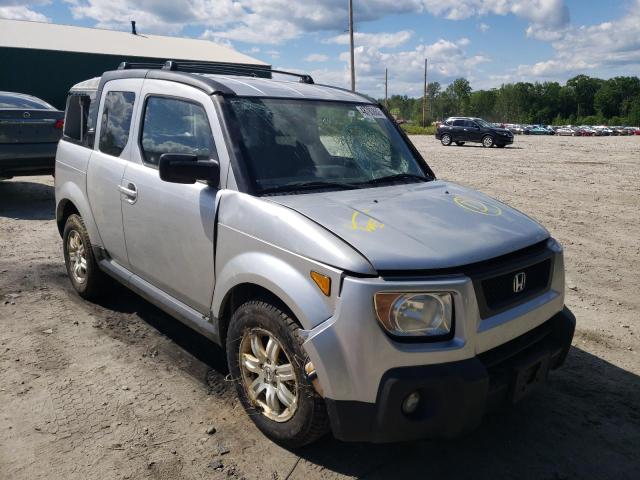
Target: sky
{"type": "Point", "coordinates": [489, 42]}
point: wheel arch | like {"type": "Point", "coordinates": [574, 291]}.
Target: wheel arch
{"type": "Point", "coordinates": [70, 198]}
{"type": "Point", "coordinates": [65, 209]}
{"type": "Point", "coordinates": [242, 293]}
{"type": "Point", "coordinates": [259, 275]}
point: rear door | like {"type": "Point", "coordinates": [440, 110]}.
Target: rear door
{"type": "Point", "coordinates": [113, 140]}
{"type": "Point", "coordinates": [169, 227]}
{"type": "Point", "coordinates": [457, 130]}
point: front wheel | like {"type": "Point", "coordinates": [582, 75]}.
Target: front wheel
{"type": "Point", "coordinates": [267, 362]}
{"type": "Point", "coordinates": [446, 139]}
{"type": "Point", "coordinates": [487, 141]}
{"type": "Point", "coordinates": [86, 277]}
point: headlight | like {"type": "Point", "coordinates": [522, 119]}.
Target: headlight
{"type": "Point", "coordinates": [415, 314]}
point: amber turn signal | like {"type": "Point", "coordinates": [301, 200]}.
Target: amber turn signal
{"type": "Point", "coordinates": [323, 282]}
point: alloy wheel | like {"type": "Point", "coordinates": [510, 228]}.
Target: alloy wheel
{"type": "Point", "coordinates": [77, 257]}
{"type": "Point", "coordinates": [268, 375]}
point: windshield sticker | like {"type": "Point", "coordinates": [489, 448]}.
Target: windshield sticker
{"type": "Point", "coordinates": [477, 206]}
{"type": "Point", "coordinates": [370, 111]}
{"type": "Point", "coordinates": [370, 225]}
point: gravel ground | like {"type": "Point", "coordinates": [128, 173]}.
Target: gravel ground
{"type": "Point", "coordinates": [118, 390]}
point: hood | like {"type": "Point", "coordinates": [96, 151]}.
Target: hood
{"type": "Point", "coordinates": [419, 226]}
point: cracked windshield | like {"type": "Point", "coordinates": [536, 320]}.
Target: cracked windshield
{"type": "Point", "coordinates": [294, 145]}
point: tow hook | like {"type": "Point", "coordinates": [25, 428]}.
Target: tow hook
{"type": "Point", "coordinates": [312, 376]}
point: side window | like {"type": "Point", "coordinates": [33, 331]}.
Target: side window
{"type": "Point", "coordinates": [175, 126]}
{"type": "Point", "coordinates": [116, 122]}
{"type": "Point", "coordinates": [458, 123]}
{"type": "Point", "coordinates": [76, 116]}
{"type": "Point", "coordinates": [470, 123]}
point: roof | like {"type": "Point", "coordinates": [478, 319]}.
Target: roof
{"type": "Point", "coordinates": [266, 87]}
{"type": "Point", "coordinates": [67, 38]}
{"type": "Point", "coordinates": [243, 86]}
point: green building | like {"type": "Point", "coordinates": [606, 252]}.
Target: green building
{"type": "Point", "coordinates": [45, 59]}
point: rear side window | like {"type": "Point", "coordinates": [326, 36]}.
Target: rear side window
{"type": "Point", "coordinates": [76, 117]}
{"type": "Point", "coordinates": [458, 123]}
{"type": "Point", "coordinates": [116, 122]}
{"type": "Point", "coordinates": [175, 126]}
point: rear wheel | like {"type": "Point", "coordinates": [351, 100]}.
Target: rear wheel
{"type": "Point", "coordinates": [267, 362]}
{"type": "Point", "coordinates": [487, 141]}
{"type": "Point", "coordinates": [460, 144]}
{"type": "Point", "coordinates": [446, 139]}
{"type": "Point", "coordinates": [86, 277]}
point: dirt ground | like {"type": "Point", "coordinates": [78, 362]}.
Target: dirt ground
{"type": "Point", "coordinates": [119, 390]}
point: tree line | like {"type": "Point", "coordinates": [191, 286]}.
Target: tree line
{"type": "Point", "coordinates": [582, 100]}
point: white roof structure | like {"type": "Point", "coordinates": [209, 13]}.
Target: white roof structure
{"type": "Point", "coordinates": [67, 38]}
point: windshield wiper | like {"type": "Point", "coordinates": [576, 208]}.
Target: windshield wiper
{"type": "Point", "coordinates": [315, 185]}
{"type": "Point", "coordinates": [399, 176]}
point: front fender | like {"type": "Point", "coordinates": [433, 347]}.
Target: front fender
{"type": "Point", "coordinates": [242, 259]}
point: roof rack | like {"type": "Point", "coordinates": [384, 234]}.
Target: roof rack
{"type": "Point", "coordinates": [215, 68]}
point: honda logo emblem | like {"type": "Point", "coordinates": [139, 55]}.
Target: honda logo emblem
{"type": "Point", "coordinates": [519, 280]}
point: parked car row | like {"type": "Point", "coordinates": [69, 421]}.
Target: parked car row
{"type": "Point", "coordinates": [571, 130]}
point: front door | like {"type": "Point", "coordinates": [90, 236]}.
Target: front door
{"type": "Point", "coordinates": [108, 162]}
{"type": "Point", "coordinates": [169, 228]}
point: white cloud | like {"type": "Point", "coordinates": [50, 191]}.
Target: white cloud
{"type": "Point", "coordinates": [22, 13]}
{"type": "Point", "coordinates": [483, 27]}
{"type": "Point", "coordinates": [609, 46]}
{"type": "Point", "coordinates": [550, 13]}
{"type": "Point", "coordinates": [447, 60]}
{"type": "Point", "coordinates": [21, 10]}
{"type": "Point", "coordinates": [277, 21]}
{"type": "Point", "coordinates": [316, 57]}
{"type": "Point", "coordinates": [378, 40]}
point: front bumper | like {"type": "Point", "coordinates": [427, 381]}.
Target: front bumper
{"type": "Point", "coordinates": [355, 360]}
{"type": "Point", "coordinates": [455, 396]}
{"type": "Point", "coordinates": [504, 139]}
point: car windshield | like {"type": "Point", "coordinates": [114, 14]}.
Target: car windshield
{"type": "Point", "coordinates": [295, 145]}
{"type": "Point", "coordinates": [482, 123]}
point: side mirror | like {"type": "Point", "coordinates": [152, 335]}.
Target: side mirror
{"type": "Point", "coordinates": [186, 168]}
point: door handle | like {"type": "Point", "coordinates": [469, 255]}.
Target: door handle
{"type": "Point", "coordinates": [130, 191]}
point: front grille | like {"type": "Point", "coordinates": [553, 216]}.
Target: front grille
{"type": "Point", "coordinates": [499, 291]}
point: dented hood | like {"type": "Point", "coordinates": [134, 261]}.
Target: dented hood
{"type": "Point", "coordinates": [419, 226]}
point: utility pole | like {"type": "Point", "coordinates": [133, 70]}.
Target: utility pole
{"type": "Point", "coordinates": [353, 67]}
{"type": "Point", "coordinates": [386, 88]}
{"type": "Point", "coordinates": [424, 97]}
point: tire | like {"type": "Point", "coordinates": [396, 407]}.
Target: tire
{"type": "Point", "coordinates": [86, 277]}
{"type": "Point", "coordinates": [460, 144]}
{"type": "Point", "coordinates": [487, 141]}
{"type": "Point", "coordinates": [288, 426]}
{"type": "Point", "coordinates": [446, 139]}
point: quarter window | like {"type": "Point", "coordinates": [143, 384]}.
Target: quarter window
{"type": "Point", "coordinates": [175, 126]}
{"type": "Point", "coordinates": [116, 122]}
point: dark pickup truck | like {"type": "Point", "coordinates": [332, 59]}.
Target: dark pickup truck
{"type": "Point", "coordinates": [466, 129]}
